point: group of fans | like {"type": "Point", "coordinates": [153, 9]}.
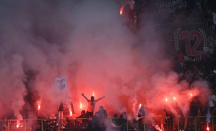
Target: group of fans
{"type": "Point", "coordinates": [97, 121]}
{"type": "Point", "coordinates": [189, 68]}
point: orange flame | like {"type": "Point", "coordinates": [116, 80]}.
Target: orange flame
{"type": "Point", "coordinates": [121, 10]}
{"type": "Point", "coordinates": [80, 105]}
{"type": "Point", "coordinates": [39, 107]}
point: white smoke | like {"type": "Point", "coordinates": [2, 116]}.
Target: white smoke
{"type": "Point", "coordinates": [208, 117]}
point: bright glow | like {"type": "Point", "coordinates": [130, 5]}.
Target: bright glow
{"type": "Point", "coordinates": [121, 10]}
{"type": "Point", "coordinates": [80, 105]}
{"type": "Point", "coordinates": [71, 113]}
{"type": "Point", "coordinates": [39, 107]}
{"type": "Point", "coordinates": [140, 105]}
{"type": "Point", "coordinates": [18, 123]}
{"type": "Point", "coordinates": [174, 98]}
{"type": "Point", "coordinates": [93, 94]}
{"type": "Point", "coordinates": [207, 128]}
{"type": "Point", "coordinates": [191, 94]}
{"type": "Point", "coordinates": [166, 99]}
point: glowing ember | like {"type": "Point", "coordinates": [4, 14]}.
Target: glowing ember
{"type": "Point", "coordinates": [71, 113]}
{"type": "Point", "coordinates": [121, 10]}
{"type": "Point", "coordinates": [140, 105]}
{"type": "Point", "coordinates": [39, 107]}
{"type": "Point", "coordinates": [80, 105]}
{"type": "Point", "coordinates": [207, 128]}
{"type": "Point", "coordinates": [93, 94]}
{"type": "Point", "coordinates": [174, 98]}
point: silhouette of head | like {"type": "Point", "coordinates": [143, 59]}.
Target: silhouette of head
{"type": "Point", "coordinates": [92, 98]}
{"type": "Point", "coordinates": [83, 112]}
{"type": "Point", "coordinates": [101, 108]}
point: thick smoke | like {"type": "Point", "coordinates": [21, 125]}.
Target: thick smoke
{"type": "Point", "coordinates": [85, 41]}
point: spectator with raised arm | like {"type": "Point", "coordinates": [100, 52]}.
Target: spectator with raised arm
{"type": "Point", "coordinates": [91, 105]}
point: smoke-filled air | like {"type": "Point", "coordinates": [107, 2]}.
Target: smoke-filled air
{"type": "Point", "coordinates": [85, 41]}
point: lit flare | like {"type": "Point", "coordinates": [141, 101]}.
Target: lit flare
{"type": "Point", "coordinates": [166, 99]}
{"type": "Point", "coordinates": [174, 98]}
{"type": "Point", "coordinates": [140, 105]}
{"type": "Point", "coordinates": [121, 10]}
{"type": "Point", "coordinates": [71, 113]}
{"type": "Point", "coordinates": [18, 124]}
{"type": "Point", "coordinates": [93, 94]}
{"type": "Point", "coordinates": [80, 105]}
{"type": "Point", "coordinates": [207, 128]}
{"type": "Point", "coordinates": [39, 107]}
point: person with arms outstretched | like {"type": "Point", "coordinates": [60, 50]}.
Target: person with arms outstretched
{"type": "Point", "coordinates": [91, 105]}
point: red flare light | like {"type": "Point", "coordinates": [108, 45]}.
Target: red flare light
{"type": "Point", "coordinates": [80, 105]}
{"type": "Point", "coordinates": [93, 94]}
{"type": "Point", "coordinates": [166, 99]}
{"type": "Point", "coordinates": [140, 105]}
{"type": "Point", "coordinates": [191, 94]}
{"type": "Point", "coordinates": [121, 10]}
{"type": "Point", "coordinates": [18, 123]}
{"type": "Point", "coordinates": [174, 98]}
{"type": "Point", "coordinates": [71, 113]}
{"type": "Point", "coordinates": [207, 128]}
{"type": "Point", "coordinates": [39, 107]}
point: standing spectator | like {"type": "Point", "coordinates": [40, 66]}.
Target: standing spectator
{"type": "Point", "coordinates": [181, 59]}
{"type": "Point", "coordinates": [91, 105]}
{"type": "Point", "coordinates": [169, 120]}
{"type": "Point", "coordinates": [122, 123]}
{"type": "Point", "coordinates": [141, 114]}
{"type": "Point", "coordinates": [181, 119]}
{"type": "Point", "coordinates": [211, 100]}
{"type": "Point", "coordinates": [192, 114]}
{"type": "Point", "coordinates": [102, 113]}
{"type": "Point", "coordinates": [60, 115]}
{"type": "Point", "coordinates": [83, 115]}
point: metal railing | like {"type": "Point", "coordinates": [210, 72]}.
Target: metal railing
{"type": "Point", "coordinates": [198, 123]}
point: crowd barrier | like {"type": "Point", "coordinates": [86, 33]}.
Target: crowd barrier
{"type": "Point", "coordinates": [199, 123]}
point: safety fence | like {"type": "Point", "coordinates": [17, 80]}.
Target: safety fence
{"type": "Point", "coordinates": [199, 123]}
